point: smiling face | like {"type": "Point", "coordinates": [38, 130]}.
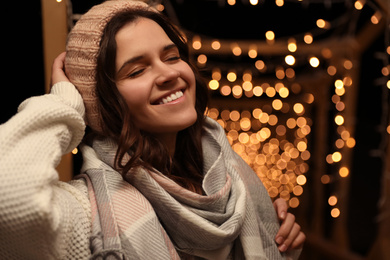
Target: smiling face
{"type": "Point", "coordinates": [157, 85]}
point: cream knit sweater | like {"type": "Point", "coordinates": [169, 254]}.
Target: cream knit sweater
{"type": "Point", "coordinates": [41, 217]}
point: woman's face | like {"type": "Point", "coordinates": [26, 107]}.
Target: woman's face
{"type": "Point", "coordinates": [158, 86]}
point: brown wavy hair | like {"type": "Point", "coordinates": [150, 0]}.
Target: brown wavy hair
{"type": "Point", "coordinates": [186, 166]}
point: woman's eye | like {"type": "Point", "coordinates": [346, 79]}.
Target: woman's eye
{"type": "Point", "coordinates": [173, 58]}
{"type": "Point", "coordinates": [135, 73]}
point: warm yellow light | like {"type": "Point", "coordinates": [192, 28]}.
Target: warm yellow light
{"type": "Point", "coordinates": [351, 142]}
{"type": "Point", "coordinates": [294, 202]}
{"type": "Point", "coordinates": [332, 200]}
{"type": "Point", "coordinates": [202, 59]}
{"type": "Point", "coordinates": [75, 151]}
{"type": "Point", "coordinates": [59, 1]}
{"type": "Point", "coordinates": [339, 120]}
{"type": "Point", "coordinates": [260, 65]}
{"type": "Point", "coordinates": [340, 91]}
{"type": "Point", "coordinates": [159, 7]}
{"type": "Point", "coordinates": [385, 71]}
{"type": "Point", "coordinates": [277, 104]}
{"type": "Point", "coordinates": [339, 84]}
{"type": "Point", "coordinates": [213, 113]}
{"type": "Point", "coordinates": [347, 81]}
{"type": "Point", "coordinates": [336, 156]}
{"type": "Point", "coordinates": [339, 143]}
{"type": "Point", "coordinates": [245, 124]}
{"type": "Point", "coordinates": [254, 2]}
{"type": "Point", "coordinates": [270, 35]}
{"type": "Point", "coordinates": [247, 85]}
{"type": "Point", "coordinates": [301, 146]}
{"type": "Point", "coordinates": [335, 213]}
{"type": "Point", "coordinates": [216, 74]}
{"type": "Point", "coordinates": [270, 91]}
{"type": "Point", "coordinates": [213, 84]}
{"type": "Point", "coordinates": [292, 45]}
{"type": "Point", "coordinates": [321, 23]}
{"type": "Point", "coordinates": [291, 123]}
{"type": "Point", "coordinates": [237, 91]}
{"type": "Point", "coordinates": [325, 179]}
{"type": "Point", "coordinates": [236, 50]}
{"type": "Point", "coordinates": [264, 117]}
{"type": "Point", "coordinates": [196, 43]}
{"type": "Point", "coordinates": [243, 138]}
{"type": "Point", "coordinates": [226, 90]}
{"type": "Point", "coordinates": [231, 76]}
{"type": "Point", "coordinates": [308, 38]}
{"type": "Point", "coordinates": [388, 50]}
{"type": "Point", "coordinates": [344, 172]}
{"type": "Point", "coordinates": [301, 180]}
{"type": "Point", "coordinates": [256, 113]}
{"type": "Point", "coordinates": [280, 73]}
{"type": "Point", "coordinates": [290, 73]}
{"type": "Point", "coordinates": [331, 70]}
{"type": "Point", "coordinates": [257, 91]}
{"type": "Point", "coordinates": [216, 45]}
{"type": "Point", "coordinates": [234, 115]}
{"type": "Point", "coordinates": [284, 92]}
{"type": "Point", "coordinates": [388, 129]}
{"type": "Point", "coordinates": [298, 108]}
{"type": "Point", "coordinates": [252, 53]}
{"type": "Point", "coordinates": [314, 62]}
{"type": "Point", "coordinates": [359, 4]}
{"type": "Point", "coordinates": [279, 3]}
{"type": "Point", "coordinates": [290, 60]}
{"type": "Point", "coordinates": [247, 76]}
{"type": "Point", "coordinates": [388, 84]}
{"type": "Point", "coordinates": [231, 2]}
{"type": "Point", "coordinates": [348, 64]}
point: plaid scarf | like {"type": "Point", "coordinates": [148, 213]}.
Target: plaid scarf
{"type": "Point", "coordinates": [149, 216]}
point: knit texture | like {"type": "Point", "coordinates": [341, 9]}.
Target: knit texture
{"type": "Point", "coordinates": [82, 50]}
{"type": "Point", "coordinates": [43, 218]}
{"type": "Point", "coordinates": [152, 217]}
{"type": "Point", "coordinates": [40, 217]}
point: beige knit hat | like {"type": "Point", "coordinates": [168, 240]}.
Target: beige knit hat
{"type": "Point", "coordinates": [82, 51]}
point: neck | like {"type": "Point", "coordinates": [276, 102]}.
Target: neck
{"type": "Point", "coordinates": [170, 142]}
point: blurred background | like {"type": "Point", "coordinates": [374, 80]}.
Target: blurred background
{"type": "Point", "coordinates": [300, 86]}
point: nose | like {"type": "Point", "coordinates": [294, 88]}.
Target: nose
{"type": "Point", "coordinates": [166, 74]}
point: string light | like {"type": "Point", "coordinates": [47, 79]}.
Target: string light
{"type": "Point", "coordinates": [196, 43]}
{"type": "Point", "coordinates": [359, 4]}
{"type": "Point", "coordinates": [292, 45]}
{"type": "Point", "coordinates": [216, 45]}
{"type": "Point", "coordinates": [314, 62]}
{"type": "Point", "coordinates": [273, 138]}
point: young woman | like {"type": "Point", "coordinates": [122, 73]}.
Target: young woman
{"type": "Point", "coordinates": [159, 179]}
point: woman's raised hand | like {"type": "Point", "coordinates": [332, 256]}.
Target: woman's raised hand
{"type": "Point", "coordinates": [289, 235]}
{"type": "Point", "coordinates": [58, 69]}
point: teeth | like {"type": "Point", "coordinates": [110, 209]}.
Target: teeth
{"type": "Point", "coordinates": [171, 97]}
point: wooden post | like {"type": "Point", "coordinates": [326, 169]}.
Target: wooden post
{"type": "Point", "coordinates": [55, 31]}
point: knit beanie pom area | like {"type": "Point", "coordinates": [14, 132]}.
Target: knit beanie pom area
{"type": "Point", "coordinates": [82, 50]}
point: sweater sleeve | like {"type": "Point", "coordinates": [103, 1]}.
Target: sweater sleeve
{"type": "Point", "coordinates": [41, 217]}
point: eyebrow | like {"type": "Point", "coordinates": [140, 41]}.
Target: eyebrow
{"type": "Point", "coordinates": [137, 58]}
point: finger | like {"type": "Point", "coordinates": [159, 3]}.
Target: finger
{"type": "Point", "coordinates": [58, 73]}
{"type": "Point", "coordinates": [280, 206]}
{"type": "Point", "coordinates": [59, 61]}
{"type": "Point", "coordinates": [292, 236]}
{"type": "Point", "coordinates": [299, 241]}
{"type": "Point", "coordinates": [285, 229]}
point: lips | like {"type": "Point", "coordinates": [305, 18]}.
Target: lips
{"type": "Point", "coordinates": [169, 98]}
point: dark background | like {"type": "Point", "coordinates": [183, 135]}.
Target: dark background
{"type": "Point", "coordinates": [23, 77]}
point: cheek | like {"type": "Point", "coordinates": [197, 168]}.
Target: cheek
{"type": "Point", "coordinates": [135, 95]}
